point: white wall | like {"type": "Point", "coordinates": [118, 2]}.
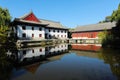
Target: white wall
{"type": "Point", "coordinates": [56, 33]}
{"type": "Point", "coordinates": [28, 31]}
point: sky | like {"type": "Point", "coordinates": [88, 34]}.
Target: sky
{"type": "Point", "coordinates": [69, 13]}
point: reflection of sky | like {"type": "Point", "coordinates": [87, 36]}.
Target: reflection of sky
{"type": "Point", "coordinates": [71, 67]}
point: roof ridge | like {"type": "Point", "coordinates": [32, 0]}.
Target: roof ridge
{"type": "Point", "coordinates": [93, 24]}
{"type": "Point", "coordinates": [48, 20]}
{"type": "Point", "coordinates": [25, 15]}
{"type": "Point", "coordinates": [98, 26]}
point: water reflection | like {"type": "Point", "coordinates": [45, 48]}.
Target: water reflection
{"type": "Point", "coordinates": [86, 47]}
{"type": "Point", "coordinates": [56, 62]}
{"type": "Point", "coordinates": [5, 65]}
{"type": "Point", "coordinates": [31, 55]}
{"type": "Point", "coordinates": [112, 57]}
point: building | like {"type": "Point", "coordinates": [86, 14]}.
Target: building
{"type": "Point", "coordinates": [89, 33]}
{"type": "Point", "coordinates": [29, 27]}
{"type": "Point", "coordinates": [32, 54]}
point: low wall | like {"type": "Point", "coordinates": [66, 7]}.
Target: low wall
{"type": "Point", "coordinates": [24, 43]}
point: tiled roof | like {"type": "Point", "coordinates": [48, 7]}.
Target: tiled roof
{"type": "Point", "coordinates": [52, 24]}
{"type": "Point", "coordinates": [49, 23]}
{"type": "Point", "coordinates": [95, 27]}
{"type": "Point", "coordinates": [25, 21]}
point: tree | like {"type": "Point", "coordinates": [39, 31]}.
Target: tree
{"type": "Point", "coordinates": [115, 16]}
{"type": "Point", "coordinates": [5, 20]}
{"type": "Point", "coordinates": [106, 38]}
{"type": "Point", "coordinates": [113, 40]}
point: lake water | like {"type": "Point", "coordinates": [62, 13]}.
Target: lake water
{"type": "Point", "coordinates": [60, 62]}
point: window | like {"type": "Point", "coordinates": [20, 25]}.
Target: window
{"type": "Point", "coordinates": [61, 35]}
{"type": "Point", "coordinates": [49, 36]}
{"type": "Point", "coordinates": [58, 31]}
{"type": "Point", "coordinates": [23, 27]}
{"type": "Point", "coordinates": [58, 35]}
{"type": "Point", "coordinates": [65, 35]}
{"type": "Point", "coordinates": [32, 28]}
{"type": "Point", "coordinates": [53, 30]}
{"type": "Point", "coordinates": [61, 31]}
{"type": "Point", "coordinates": [23, 35]}
{"type": "Point", "coordinates": [40, 29]}
{"type": "Point", "coordinates": [33, 51]}
{"type": "Point", "coordinates": [32, 35]}
{"type": "Point", "coordinates": [49, 30]}
{"type": "Point", "coordinates": [24, 52]}
{"type": "Point", "coordinates": [40, 35]}
{"type": "Point", "coordinates": [40, 50]}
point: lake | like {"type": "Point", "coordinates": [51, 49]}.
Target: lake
{"type": "Point", "coordinates": [60, 62]}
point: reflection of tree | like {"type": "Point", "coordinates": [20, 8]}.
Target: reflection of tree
{"type": "Point", "coordinates": [113, 59]}
{"type": "Point", "coordinates": [5, 67]}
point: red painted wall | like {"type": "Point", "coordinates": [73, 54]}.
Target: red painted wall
{"type": "Point", "coordinates": [31, 17]}
{"type": "Point", "coordinates": [85, 34]}
{"type": "Point", "coordinates": [86, 47]}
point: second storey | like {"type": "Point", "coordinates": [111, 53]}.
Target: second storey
{"type": "Point", "coordinates": [29, 27]}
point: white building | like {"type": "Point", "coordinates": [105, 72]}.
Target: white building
{"type": "Point", "coordinates": [29, 27]}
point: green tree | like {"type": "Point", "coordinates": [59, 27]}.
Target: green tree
{"type": "Point", "coordinates": [5, 20]}
{"type": "Point", "coordinates": [106, 38]}
{"type": "Point", "coordinates": [112, 39]}
{"type": "Point", "coordinates": [115, 16]}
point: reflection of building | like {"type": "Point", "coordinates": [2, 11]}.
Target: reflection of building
{"type": "Point", "coordinates": [31, 53]}
{"type": "Point", "coordinates": [29, 27]}
{"type": "Point", "coordinates": [86, 47]}
{"type": "Point", "coordinates": [27, 55]}
{"type": "Point", "coordinates": [54, 50]}
{"type": "Point", "coordinates": [89, 33]}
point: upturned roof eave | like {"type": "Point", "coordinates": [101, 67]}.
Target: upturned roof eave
{"type": "Point", "coordinates": [29, 22]}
